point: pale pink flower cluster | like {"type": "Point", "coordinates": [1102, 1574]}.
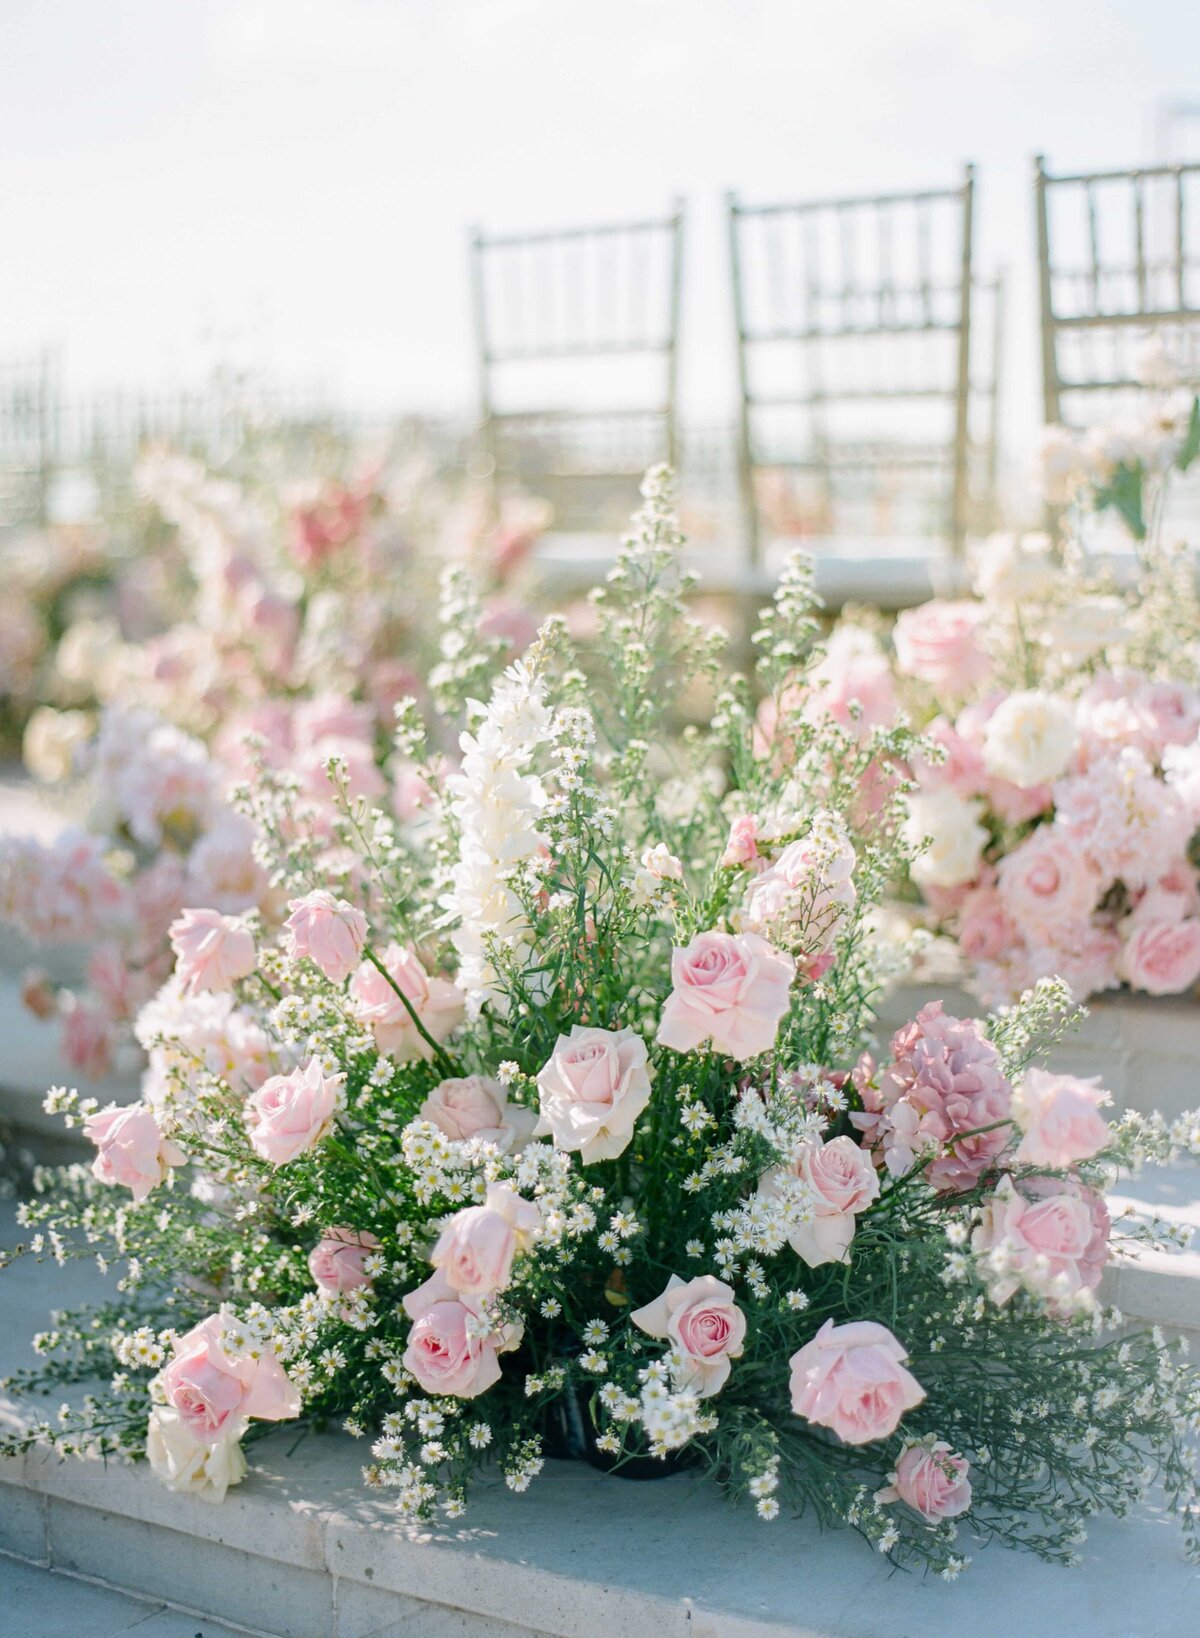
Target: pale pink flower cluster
{"type": "Point", "coordinates": [1102, 890]}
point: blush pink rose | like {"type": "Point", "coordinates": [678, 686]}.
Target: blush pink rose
{"type": "Point", "coordinates": [1047, 883]}
{"type": "Point", "coordinates": [131, 1150]}
{"type": "Point", "coordinates": [216, 1393]}
{"type": "Point", "coordinates": [732, 989]}
{"type": "Point", "coordinates": [374, 1000]}
{"type": "Point", "coordinates": [851, 1379]}
{"type": "Point", "coordinates": [811, 888]}
{"type": "Point", "coordinates": [330, 932]}
{"type": "Point", "coordinates": [984, 929]}
{"type": "Point", "coordinates": [87, 1038]}
{"type": "Point", "coordinates": [931, 1479]}
{"type": "Point", "coordinates": [1060, 1119]}
{"type": "Point", "coordinates": [962, 771]}
{"type": "Point", "coordinates": [842, 1181]}
{"type": "Point", "coordinates": [474, 1106]}
{"type": "Point", "coordinates": [211, 950]}
{"type": "Point", "coordinates": [742, 846]}
{"type": "Point", "coordinates": [939, 643]}
{"type": "Point", "coordinates": [475, 1251]}
{"type": "Point", "coordinates": [702, 1321]}
{"type": "Point", "coordinates": [290, 1113]}
{"type": "Point", "coordinates": [592, 1091]}
{"type": "Point", "coordinates": [1050, 1236]}
{"type": "Point", "coordinates": [1162, 957]}
{"type": "Point", "coordinates": [445, 1353]}
{"type": "Point", "coordinates": [337, 1260]}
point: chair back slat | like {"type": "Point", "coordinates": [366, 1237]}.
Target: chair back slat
{"type": "Point", "coordinates": [577, 334]}
{"type": "Point", "coordinates": [855, 362]}
{"type": "Point", "coordinates": [1118, 259]}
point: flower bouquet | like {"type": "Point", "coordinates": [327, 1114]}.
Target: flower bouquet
{"type": "Point", "coordinates": [295, 638]}
{"type": "Point", "coordinates": [544, 1127]}
{"type": "Point", "coordinates": [1061, 806]}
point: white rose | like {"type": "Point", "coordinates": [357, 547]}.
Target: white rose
{"type": "Point", "coordinates": [592, 1091]}
{"type": "Point", "coordinates": [1088, 626]}
{"type": "Point", "coordinates": [187, 1464]}
{"type": "Point", "coordinates": [1015, 568]}
{"type": "Point", "coordinates": [52, 742]}
{"type": "Point", "coordinates": [957, 838]}
{"type": "Point", "coordinates": [1029, 738]}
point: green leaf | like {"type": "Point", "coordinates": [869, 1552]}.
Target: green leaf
{"type": "Point", "coordinates": [1191, 442]}
{"type": "Point", "coordinates": [1125, 494]}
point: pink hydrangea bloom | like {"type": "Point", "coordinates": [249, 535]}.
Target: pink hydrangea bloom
{"type": "Point", "coordinates": [944, 1080]}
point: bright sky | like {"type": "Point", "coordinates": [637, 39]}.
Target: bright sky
{"type": "Point", "coordinates": [289, 181]}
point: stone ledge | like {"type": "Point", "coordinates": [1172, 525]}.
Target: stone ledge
{"type": "Point", "coordinates": [301, 1550]}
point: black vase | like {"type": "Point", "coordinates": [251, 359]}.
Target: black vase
{"type": "Point", "coordinates": [569, 1434]}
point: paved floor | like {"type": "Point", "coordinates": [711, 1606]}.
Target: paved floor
{"type": "Point", "coordinates": [44, 1604]}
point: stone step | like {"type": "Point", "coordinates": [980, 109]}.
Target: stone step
{"type": "Point", "coordinates": [1160, 1287]}
{"type": "Point", "coordinates": [302, 1550]}
{"type": "Point", "coordinates": [1144, 1048]}
{"type": "Point", "coordinates": [43, 1603]}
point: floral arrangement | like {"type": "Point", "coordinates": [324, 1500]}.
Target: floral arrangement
{"type": "Point", "coordinates": [1061, 808]}
{"type": "Point", "coordinates": [297, 641]}
{"type": "Point", "coordinates": [543, 1126]}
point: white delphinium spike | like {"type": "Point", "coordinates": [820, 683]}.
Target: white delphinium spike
{"type": "Point", "coordinates": [497, 801]}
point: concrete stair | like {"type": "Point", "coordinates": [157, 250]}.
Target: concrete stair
{"type": "Point", "coordinates": [302, 1550]}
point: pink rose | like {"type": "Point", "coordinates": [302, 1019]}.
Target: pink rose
{"type": "Point", "coordinates": [939, 643]}
{"type": "Point", "coordinates": [330, 932]}
{"type": "Point", "coordinates": [985, 931]}
{"type": "Point", "coordinates": [700, 1318]}
{"type": "Point", "coordinates": [87, 1038]}
{"type": "Point", "coordinates": [475, 1250]}
{"type": "Point", "coordinates": [472, 1106]}
{"type": "Point", "coordinates": [1050, 1236]}
{"type": "Point", "coordinates": [851, 1378]}
{"type": "Point", "coordinates": [931, 1479]}
{"type": "Point", "coordinates": [1047, 884]}
{"type": "Point", "coordinates": [730, 989]}
{"type": "Point", "coordinates": [289, 1113]}
{"type": "Point", "coordinates": [809, 886]}
{"type": "Point", "coordinates": [842, 1181]}
{"type": "Point", "coordinates": [131, 1149]}
{"type": "Point", "coordinates": [216, 1393]}
{"type": "Point", "coordinates": [336, 1261]}
{"type": "Point", "coordinates": [1060, 1119]}
{"type": "Point", "coordinates": [962, 771]}
{"type": "Point", "coordinates": [374, 1000]}
{"type": "Point", "coordinates": [445, 1353]}
{"type": "Point", "coordinates": [1162, 957]}
{"type": "Point", "coordinates": [742, 846]}
{"type": "Point", "coordinates": [592, 1091]}
{"type": "Point", "coordinates": [211, 950]}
